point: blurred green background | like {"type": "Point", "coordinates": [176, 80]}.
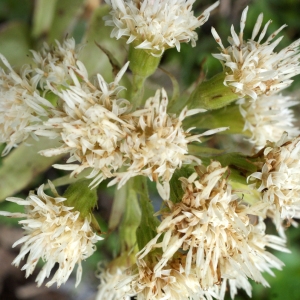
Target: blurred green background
{"type": "Point", "coordinates": [26, 24]}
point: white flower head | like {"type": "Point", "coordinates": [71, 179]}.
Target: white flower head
{"type": "Point", "coordinates": [156, 25]}
{"type": "Point", "coordinates": [158, 144]}
{"type": "Point", "coordinates": [87, 118]}
{"type": "Point", "coordinates": [109, 280]}
{"type": "Point", "coordinates": [268, 118]}
{"type": "Point", "coordinates": [279, 178]}
{"type": "Point", "coordinates": [252, 67]}
{"type": "Point", "coordinates": [55, 233]}
{"type": "Point", "coordinates": [21, 105]}
{"type": "Point", "coordinates": [213, 228]}
{"type": "Point", "coordinates": [171, 283]}
{"type": "Point", "coordinates": [52, 63]}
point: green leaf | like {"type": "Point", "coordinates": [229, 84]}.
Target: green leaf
{"type": "Point", "coordinates": [65, 13]}
{"type": "Point", "coordinates": [95, 60]}
{"type": "Point", "coordinates": [176, 90]}
{"type": "Point", "coordinates": [80, 196]}
{"type": "Point", "coordinates": [23, 164]}
{"type": "Point", "coordinates": [200, 151]}
{"type": "Point", "coordinates": [114, 63]}
{"type": "Point", "coordinates": [237, 161]}
{"type": "Point", "coordinates": [15, 43]}
{"type": "Point", "coordinates": [44, 12]}
{"type": "Point", "coordinates": [176, 191]}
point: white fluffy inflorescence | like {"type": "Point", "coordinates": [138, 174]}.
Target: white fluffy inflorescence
{"type": "Point", "coordinates": [156, 143]}
{"type": "Point", "coordinates": [279, 179]}
{"type": "Point", "coordinates": [268, 118]}
{"type": "Point", "coordinates": [55, 233]}
{"type": "Point", "coordinates": [156, 25]}
{"type": "Point", "coordinates": [212, 226]}
{"type": "Point", "coordinates": [252, 67]}
{"type": "Point", "coordinates": [52, 63]}
{"type": "Point", "coordinates": [21, 105]}
{"type": "Point", "coordinates": [171, 283]}
{"type": "Point", "coordinates": [87, 118]}
{"type": "Point", "coordinates": [109, 280]}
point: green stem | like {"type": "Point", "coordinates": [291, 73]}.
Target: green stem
{"type": "Point", "coordinates": [212, 94]}
{"type": "Point", "coordinates": [147, 228]}
{"type": "Point", "coordinates": [142, 64]}
{"type": "Point", "coordinates": [118, 208]}
{"type": "Point", "coordinates": [137, 91]}
{"type": "Point", "coordinates": [131, 219]}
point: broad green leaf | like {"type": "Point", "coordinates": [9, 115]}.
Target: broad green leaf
{"type": "Point", "coordinates": [80, 196]}
{"type": "Point", "coordinates": [23, 164]}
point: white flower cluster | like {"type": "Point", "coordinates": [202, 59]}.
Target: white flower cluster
{"type": "Point", "coordinates": [268, 118]}
{"type": "Point", "coordinates": [55, 233]}
{"type": "Point", "coordinates": [156, 144]}
{"type": "Point", "coordinates": [156, 25]}
{"type": "Point", "coordinates": [254, 70]}
{"type": "Point", "coordinates": [21, 105]}
{"type": "Point", "coordinates": [87, 118]}
{"type": "Point", "coordinates": [252, 67]}
{"type": "Point", "coordinates": [279, 179]}
{"type": "Point", "coordinates": [108, 288]}
{"type": "Point", "coordinates": [210, 240]}
{"type": "Point", "coordinates": [170, 283]}
{"type": "Point", "coordinates": [52, 63]}
{"type": "Point", "coordinates": [96, 126]}
{"type": "Point", "coordinates": [213, 228]}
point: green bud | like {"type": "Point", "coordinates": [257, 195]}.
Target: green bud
{"type": "Point", "coordinates": [212, 94]}
{"type": "Point", "coordinates": [228, 116]}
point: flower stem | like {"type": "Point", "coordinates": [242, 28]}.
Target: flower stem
{"type": "Point", "coordinates": [147, 229]}
{"type": "Point", "coordinates": [142, 64]}
{"type": "Point", "coordinates": [137, 91]}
